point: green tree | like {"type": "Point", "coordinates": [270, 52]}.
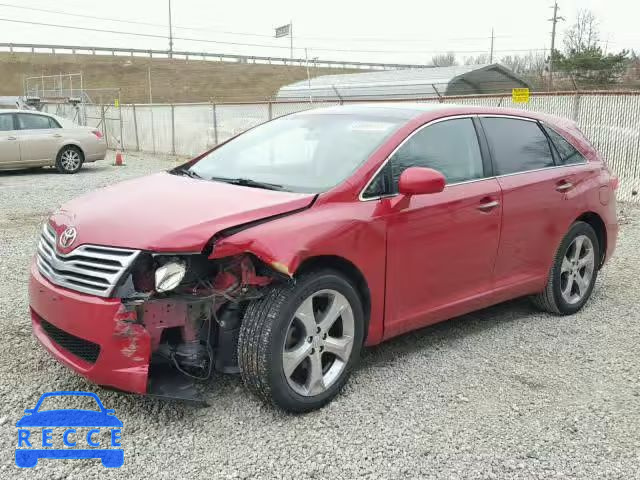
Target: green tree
{"type": "Point", "coordinates": [584, 59]}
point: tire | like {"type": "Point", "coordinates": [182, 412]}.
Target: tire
{"type": "Point", "coordinates": [565, 263]}
{"type": "Point", "coordinates": [275, 328]}
{"type": "Point", "coordinates": [26, 459]}
{"type": "Point", "coordinates": [69, 159]}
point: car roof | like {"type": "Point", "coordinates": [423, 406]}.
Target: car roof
{"type": "Point", "coordinates": [69, 394]}
{"type": "Point", "coordinates": [16, 110]}
{"type": "Point", "coordinates": [428, 111]}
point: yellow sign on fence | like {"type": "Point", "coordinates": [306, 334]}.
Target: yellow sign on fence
{"type": "Point", "coordinates": [520, 95]}
{"type": "Point", "coordinates": [116, 103]}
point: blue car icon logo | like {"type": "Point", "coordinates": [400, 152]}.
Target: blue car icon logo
{"type": "Point", "coordinates": [36, 433]}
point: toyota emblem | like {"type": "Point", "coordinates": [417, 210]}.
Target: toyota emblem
{"type": "Point", "coordinates": [67, 237]}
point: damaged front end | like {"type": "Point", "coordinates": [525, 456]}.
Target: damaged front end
{"type": "Point", "coordinates": [186, 311]}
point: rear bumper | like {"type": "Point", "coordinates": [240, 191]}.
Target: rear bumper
{"type": "Point", "coordinates": [612, 239]}
{"type": "Point", "coordinates": [81, 322]}
{"type": "Point", "coordinates": [96, 152]}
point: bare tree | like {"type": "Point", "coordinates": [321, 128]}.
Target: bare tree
{"type": "Point", "coordinates": [583, 35]}
{"type": "Point", "coordinates": [482, 59]}
{"type": "Point", "coordinates": [444, 60]}
{"type": "Point", "coordinates": [533, 63]}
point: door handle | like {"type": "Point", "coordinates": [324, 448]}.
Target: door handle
{"type": "Point", "coordinates": [487, 206]}
{"type": "Point", "coordinates": [12, 138]}
{"type": "Point", "coordinates": [564, 186]}
{"type": "Point", "coordinates": [57, 135]}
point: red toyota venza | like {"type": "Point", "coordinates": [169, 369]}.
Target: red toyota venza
{"type": "Point", "coordinates": [282, 252]}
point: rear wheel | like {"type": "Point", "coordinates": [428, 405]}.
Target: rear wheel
{"type": "Point", "coordinates": [573, 273]}
{"type": "Point", "coordinates": [69, 159]}
{"type": "Point", "coordinates": [299, 343]}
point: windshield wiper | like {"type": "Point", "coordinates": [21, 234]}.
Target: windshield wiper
{"type": "Point", "coordinates": [187, 172]}
{"type": "Point", "coordinates": [247, 182]}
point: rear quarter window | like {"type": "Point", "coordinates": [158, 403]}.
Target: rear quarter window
{"type": "Point", "coordinates": [517, 145]}
{"type": "Point", "coordinates": [567, 153]}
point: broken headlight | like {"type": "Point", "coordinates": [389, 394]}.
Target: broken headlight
{"type": "Point", "coordinates": [169, 275]}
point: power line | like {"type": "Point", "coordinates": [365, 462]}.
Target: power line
{"type": "Point", "coordinates": [226, 32]}
{"type": "Point", "coordinates": [188, 39]}
{"type": "Point", "coordinates": [87, 29]}
{"type": "Point", "coordinates": [242, 44]}
{"type": "Point", "coordinates": [57, 12]}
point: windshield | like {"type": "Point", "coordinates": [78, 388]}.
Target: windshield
{"type": "Point", "coordinates": [65, 402]}
{"type": "Point", "coordinates": [300, 153]}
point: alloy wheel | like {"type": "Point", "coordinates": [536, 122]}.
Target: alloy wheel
{"type": "Point", "coordinates": [576, 271]}
{"type": "Point", "coordinates": [318, 342]}
{"type": "Point", "coordinates": [70, 160]}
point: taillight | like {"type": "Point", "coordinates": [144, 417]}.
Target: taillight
{"type": "Point", "coordinates": [97, 133]}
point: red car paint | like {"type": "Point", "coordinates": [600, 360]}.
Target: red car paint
{"type": "Point", "coordinates": [97, 320]}
{"type": "Point", "coordinates": [424, 258]}
{"type": "Point", "coordinates": [164, 212]}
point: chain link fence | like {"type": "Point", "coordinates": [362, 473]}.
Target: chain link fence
{"type": "Point", "coordinates": [611, 120]}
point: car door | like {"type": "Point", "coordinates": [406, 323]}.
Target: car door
{"type": "Point", "coordinates": [541, 198]}
{"type": "Point", "coordinates": [441, 247]}
{"type": "Point", "coordinates": [9, 147]}
{"type": "Point", "coordinates": [39, 137]}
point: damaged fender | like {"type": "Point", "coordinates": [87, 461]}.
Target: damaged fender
{"type": "Point", "coordinates": [346, 236]}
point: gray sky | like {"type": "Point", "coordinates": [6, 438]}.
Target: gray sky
{"type": "Point", "coordinates": [397, 31]}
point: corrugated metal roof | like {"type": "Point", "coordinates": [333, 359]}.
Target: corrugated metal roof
{"type": "Point", "coordinates": [407, 83]}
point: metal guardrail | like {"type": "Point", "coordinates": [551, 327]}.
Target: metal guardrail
{"type": "Point", "coordinates": [73, 49]}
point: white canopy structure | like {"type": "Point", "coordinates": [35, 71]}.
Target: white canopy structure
{"type": "Point", "coordinates": [406, 84]}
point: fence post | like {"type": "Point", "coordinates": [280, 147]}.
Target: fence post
{"type": "Point", "coordinates": [120, 117]}
{"type": "Point", "coordinates": [135, 126]}
{"type": "Point", "coordinates": [437, 92]}
{"type": "Point", "coordinates": [576, 100]}
{"type": "Point", "coordinates": [153, 129]}
{"type": "Point", "coordinates": [270, 110]}
{"type": "Point", "coordinates": [576, 107]}
{"type": "Point", "coordinates": [337, 94]}
{"type": "Point", "coordinates": [104, 125]}
{"type": "Point", "coordinates": [215, 124]}
{"type": "Point", "coordinates": [173, 130]}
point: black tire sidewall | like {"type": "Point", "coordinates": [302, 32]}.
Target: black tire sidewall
{"type": "Point", "coordinates": [59, 166]}
{"type": "Point", "coordinates": [282, 393]}
{"type": "Point", "coordinates": [579, 228]}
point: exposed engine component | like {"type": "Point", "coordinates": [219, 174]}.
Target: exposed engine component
{"type": "Point", "coordinates": [192, 308]}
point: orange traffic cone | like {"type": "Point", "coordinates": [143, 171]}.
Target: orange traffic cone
{"type": "Point", "coordinates": [119, 161]}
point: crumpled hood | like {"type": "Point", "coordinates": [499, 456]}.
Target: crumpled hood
{"type": "Point", "coordinates": [164, 212]}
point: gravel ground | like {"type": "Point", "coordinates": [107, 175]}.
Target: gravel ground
{"type": "Point", "coordinates": [506, 392]}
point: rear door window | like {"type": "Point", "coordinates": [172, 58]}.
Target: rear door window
{"type": "Point", "coordinates": [567, 153]}
{"type": "Point", "coordinates": [517, 145]}
{"type": "Point", "coordinates": [27, 121]}
{"type": "Point", "coordinates": [6, 122]}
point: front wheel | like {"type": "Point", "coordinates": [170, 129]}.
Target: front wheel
{"type": "Point", "coordinates": [299, 343]}
{"type": "Point", "coordinates": [573, 273]}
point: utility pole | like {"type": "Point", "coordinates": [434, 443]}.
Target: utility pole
{"type": "Point", "coordinates": [491, 53]}
{"type": "Point", "coordinates": [291, 36]}
{"type": "Point", "coordinates": [306, 57]}
{"type": "Point", "coordinates": [555, 20]}
{"type": "Point", "coordinates": [170, 33]}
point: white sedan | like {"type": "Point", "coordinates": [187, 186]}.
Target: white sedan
{"type": "Point", "coordinates": [35, 139]}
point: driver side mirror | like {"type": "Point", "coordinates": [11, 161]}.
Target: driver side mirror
{"type": "Point", "coordinates": [421, 181]}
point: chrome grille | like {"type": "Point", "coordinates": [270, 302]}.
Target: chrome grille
{"type": "Point", "coordinates": [89, 269]}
